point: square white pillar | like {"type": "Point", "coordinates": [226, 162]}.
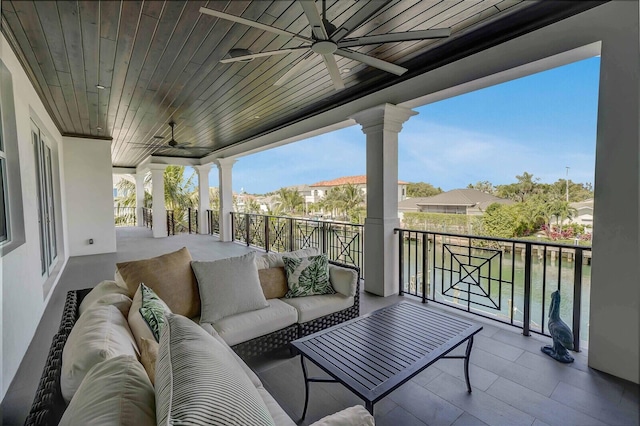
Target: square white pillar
{"type": "Point", "coordinates": [140, 196]}
{"type": "Point", "coordinates": [225, 192]}
{"type": "Point", "coordinates": [382, 124]}
{"type": "Point", "coordinates": [157, 195]}
{"type": "Point", "coordinates": [203, 197]}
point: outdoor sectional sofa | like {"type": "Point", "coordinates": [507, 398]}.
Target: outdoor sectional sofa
{"type": "Point", "coordinates": [310, 315]}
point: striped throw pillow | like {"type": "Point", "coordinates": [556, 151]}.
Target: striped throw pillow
{"type": "Point", "coordinates": [198, 382]}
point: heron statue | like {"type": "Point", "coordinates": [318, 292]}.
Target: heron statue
{"type": "Point", "coordinates": [560, 333]}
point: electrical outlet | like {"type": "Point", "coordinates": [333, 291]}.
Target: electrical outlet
{"type": "Point", "coordinates": [90, 240]}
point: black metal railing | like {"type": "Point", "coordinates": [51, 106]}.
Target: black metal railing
{"type": "Point", "coordinates": [171, 223]}
{"type": "Point", "coordinates": [124, 216]}
{"type": "Point", "coordinates": [147, 217]}
{"type": "Point", "coordinates": [342, 242]}
{"type": "Point", "coordinates": [213, 220]}
{"type": "Point", "coordinates": [192, 220]}
{"type": "Point", "coordinates": [507, 280]}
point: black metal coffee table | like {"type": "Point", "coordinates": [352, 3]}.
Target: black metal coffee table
{"type": "Point", "coordinates": [374, 354]}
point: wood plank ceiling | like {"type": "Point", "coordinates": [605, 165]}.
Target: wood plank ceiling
{"type": "Point", "coordinates": [160, 61]}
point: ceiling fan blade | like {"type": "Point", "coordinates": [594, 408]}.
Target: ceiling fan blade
{"type": "Point", "coordinates": [372, 62]}
{"type": "Point", "coordinates": [254, 24]}
{"type": "Point", "coordinates": [293, 70]}
{"type": "Point", "coordinates": [261, 54]}
{"type": "Point", "coordinates": [313, 16]}
{"type": "Point", "coordinates": [334, 72]}
{"type": "Point", "coordinates": [394, 37]}
{"type": "Point", "coordinates": [363, 14]}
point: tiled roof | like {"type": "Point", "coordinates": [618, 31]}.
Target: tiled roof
{"type": "Point", "coordinates": [353, 180]}
{"type": "Point", "coordinates": [455, 197]}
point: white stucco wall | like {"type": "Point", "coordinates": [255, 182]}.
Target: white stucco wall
{"type": "Point", "coordinates": [23, 294]}
{"type": "Point", "coordinates": [89, 196]}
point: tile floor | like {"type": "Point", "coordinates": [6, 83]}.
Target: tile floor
{"type": "Point", "coordinates": [513, 382]}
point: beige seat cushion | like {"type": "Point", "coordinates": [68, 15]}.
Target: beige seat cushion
{"type": "Point", "coordinates": [115, 392]}
{"type": "Point", "coordinates": [312, 307]}
{"type": "Point", "coordinates": [249, 325]}
{"type": "Point", "coordinates": [100, 334]}
{"type": "Point", "coordinates": [170, 276]}
{"type": "Point", "coordinates": [273, 282]}
{"type": "Point", "coordinates": [105, 288]}
{"type": "Point", "coordinates": [148, 357]}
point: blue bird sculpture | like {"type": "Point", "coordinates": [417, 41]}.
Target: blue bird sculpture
{"type": "Point", "coordinates": [560, 333]}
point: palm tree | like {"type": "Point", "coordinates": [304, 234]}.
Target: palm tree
{"type": "Point", "coordinates": [288, 200]}
{"type": "Point", "coordinates": [346, 199]}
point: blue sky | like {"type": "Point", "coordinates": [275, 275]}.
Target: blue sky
{"type": "Point", "coordinates": [539, 124]}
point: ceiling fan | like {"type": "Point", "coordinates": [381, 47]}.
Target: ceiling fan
{"type": "Point", "coordinates": [172, 144]}
{"type": "Point", "coordinates": [327, 40]}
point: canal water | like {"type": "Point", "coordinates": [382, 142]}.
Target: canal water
{"type": "Point", "coordinates": [493, 281]}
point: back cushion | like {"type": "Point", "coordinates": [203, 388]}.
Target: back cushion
{"type": "Point", "coordinates": [114, 392]}
{"type": "Point", "coordinates": [103, 289]}
{"type": "Point", "coordinates": [100, 334]}
{"type": "Point", "coordinates": [273, 282]}
{"type": "Point", "coordinates": [274, 260]}
{"type": "Point", "coordinates": [170, 276]}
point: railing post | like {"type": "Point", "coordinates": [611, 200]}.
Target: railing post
{"type": "Point", "coordinates": [233, 227]}
{"type": "Point", "coordinates": [290, 234]}
{"type": "Point", "coordinates": [189, 218]}
{"type": "Point", "coordinates": [247, 228]}
{"type": "Point", "coordinates": [577, 298]}
{"type": "Point", "coordinates": [401, 261]}
{"type": "Point", "coordinates": [168, 227]}
{"type": "Point", "coordinates": [196, 220]}
{"type": "Point", "coordinates": [527, 289]}
{"type": "Point", "coordinates": [266, 233]}
{"type": "Point", "coordinates": [425, 253]}
{"type": "Point", "coordinates": [323, 237]}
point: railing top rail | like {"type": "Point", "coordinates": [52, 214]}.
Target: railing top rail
{"type": "Point", "coordinates": [301, 219]}
{"type": "Point", "coordinates": [505, 240]}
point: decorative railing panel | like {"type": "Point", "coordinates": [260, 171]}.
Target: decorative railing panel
{"type": "Point", "coordinates": [213, 220]}
{"type": "Point", "coordinates": [342, 242]}
{"type": "Point", "coordinates": [124, 216]}
{"type": "Point", "coordinates": [192, 220]}
{"type": "Point", "coordinates": [507, 280]}
{"type": "Point", "coordinates": [171, 223]}
{"type": "Point", "coordinates": [147, 217]}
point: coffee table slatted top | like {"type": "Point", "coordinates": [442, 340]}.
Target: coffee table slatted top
{"type": "Point", "coordinates": [374, 354]}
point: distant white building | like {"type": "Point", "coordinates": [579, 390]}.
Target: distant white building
{"type": "Point", "coordinates": [585, 213]}
{"type": "Point", "coordinates": [318, 190]}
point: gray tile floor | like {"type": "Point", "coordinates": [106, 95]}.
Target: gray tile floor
{"type": "Point", "coordinates": [513, 382]}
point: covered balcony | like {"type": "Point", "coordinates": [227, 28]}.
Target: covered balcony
{"type": "Point", "coordinates": [85, 88]}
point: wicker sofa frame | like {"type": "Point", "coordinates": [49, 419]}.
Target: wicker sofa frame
{"type": "Point", "coordinates": [49, 405]}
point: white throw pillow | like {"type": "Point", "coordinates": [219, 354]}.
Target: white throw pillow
{"type": "Point", "coordinates": [139, 326]}
{"type": "Point", "coordinates": [101, 333]}
{"type": "Point", "coordinates": [356, 415]}
{"type": "Point", "coordinates": [275, 259]}
{"type": "Point", "coordinates": [120, 301]}
{"type": "Point", "coordinates": [198, 382]}
{"type": "Point", "coordinates": [117, 277]}
{"type": "Point", "coordinates": [114, 392]}
{"type": "Point", "coordinates": [102, 289]}
{"type": "Point", "coordinates": [228, 286]}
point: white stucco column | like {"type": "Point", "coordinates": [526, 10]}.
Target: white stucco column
{"type": "Point", "coordinates": [203, 196]}
{"type": "Point", "coordinates": [382, 124]}
{"type": "Point", "coordinates": [139, 196]}
{"type": "Point", "coordinates": [614, 322]}
{"type": "Point", "coordinates": [157, 195]}
{"type": "Point", "coordinates": [225, 192]}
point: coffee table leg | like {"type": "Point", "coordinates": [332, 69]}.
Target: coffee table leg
{"type": "Point", "coordinates": [306, 388]}
{"type": "Point", "coordinates": [369, 407]}
{"type": "Point", "coordinates": [466, 363]}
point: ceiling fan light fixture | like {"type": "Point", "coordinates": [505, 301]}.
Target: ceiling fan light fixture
{"type": "Point", "coordinates": [100, 87]}
{"type": "Point", "coordinates": [345, 70]}
{"type": "Point", "coordinates": [235, 53]}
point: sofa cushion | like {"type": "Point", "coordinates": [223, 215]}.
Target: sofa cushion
{"type": "Point", "coordinates": [199, 382]}
{"type": "Point", "coordinates": [279, 416]}
{"type": "Point", "coordinates": [356, 415]}
{"type": "Point", "coordinates": [273, 282]}
{"type": "Point", "coordinates": [274, 260]}
{"type": "Point", "coordinates": [103, 289]}
{"type": "Point", "coordinates": [148, 357]}
{"type": "Point", "coordinates": [120, 301]}
{"type": "Point", "coordinates": [114, 392]}
{"type": "Point", "coordinates": [228, 286]}
{"type": "Point", "coordinates": [307, 276]}
{"type": "Point", "coordinates": [100, 334]}
{"type": "Point", "coordinates": [170, 276]}
{"type": "Point", "coordinates": [312, 307]}
{"type": "Point", "coordinates": [343, 280]}
{"type": "Point", "coordinates": [139, 326]}
{"type": "Point", "coordinates": [249, 325]}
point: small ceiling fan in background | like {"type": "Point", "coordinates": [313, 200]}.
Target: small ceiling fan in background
{"type": "Point", "coordinates": [172, 144]}
{"type": "Point", "coordinates": [327, 40]}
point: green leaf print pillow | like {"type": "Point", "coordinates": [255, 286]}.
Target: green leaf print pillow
{"type": "Point", "coordinates": [152, 311]}
{"type": "Point", "coordinates": [307, 276]}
